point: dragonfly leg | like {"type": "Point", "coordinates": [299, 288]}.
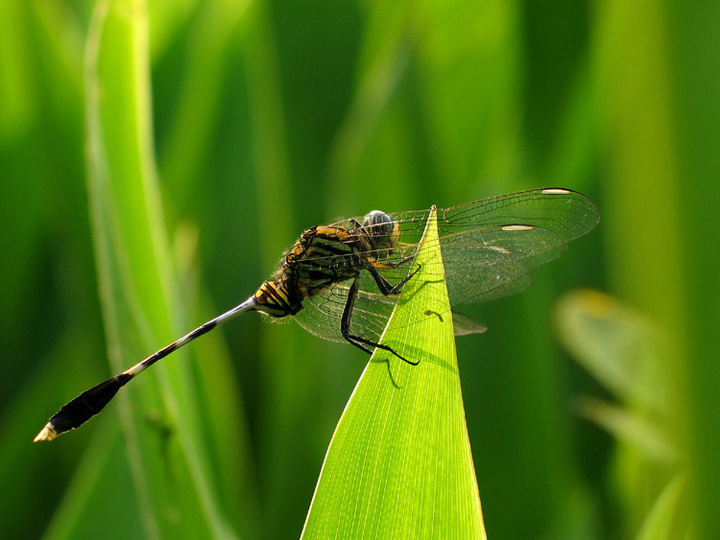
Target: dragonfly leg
{"type": "Point", "coordinates": [385, 286]}
{"type": "Point", "coordinates": [358, 341]}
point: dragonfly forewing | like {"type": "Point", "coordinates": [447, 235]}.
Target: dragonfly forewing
{"type": "Point", "coordinates": [489, 250]}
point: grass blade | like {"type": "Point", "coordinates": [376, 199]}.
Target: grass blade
{"type": "Point", "coordinates": [399, 464]}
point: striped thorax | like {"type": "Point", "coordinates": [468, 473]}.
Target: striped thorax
{"type": "Point", "coordinates": [324, 255]}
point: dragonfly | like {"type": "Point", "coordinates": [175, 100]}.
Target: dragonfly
{"type": "Point", "coordinates": [342, 281]}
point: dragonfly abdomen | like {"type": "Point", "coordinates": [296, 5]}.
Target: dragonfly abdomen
{"type": "Point", "coordinates": [277, 300]}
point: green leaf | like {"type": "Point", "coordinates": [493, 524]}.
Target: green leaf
{"type": "Point", "coordinates": [165, 453]}
{"type": "Point", "coordinates": [661, 521]}
{"type": "Point", "coordinates": [623, 350]}
{"type": "Point", "coordinates": [620, 347]}
{"type": "Point", "coordinates": [626, 353]}
{"type": "Point", "coordinates": [399, 464]}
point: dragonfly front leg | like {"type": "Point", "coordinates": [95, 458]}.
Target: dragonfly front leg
{"type": "Point", "coordinates": [358, 341]}
{"type": "Point", "coordinates": [384, 285]}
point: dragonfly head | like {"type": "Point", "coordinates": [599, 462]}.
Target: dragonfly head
{"type": "Point", "coordinates": [382, 231]}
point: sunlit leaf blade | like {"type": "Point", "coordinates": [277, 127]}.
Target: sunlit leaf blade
{"type": "Point", "coordinates": [399, 464]}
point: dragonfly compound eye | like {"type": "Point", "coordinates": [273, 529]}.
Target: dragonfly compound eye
{"type": "Point", "coordinates": [383, 231]}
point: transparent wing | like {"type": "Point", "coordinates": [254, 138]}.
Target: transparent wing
{"type": "Point", "coordinates": [323, 312]}
{"type": "Point", "coordinates": [489, 248]}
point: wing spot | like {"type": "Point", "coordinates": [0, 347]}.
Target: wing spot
{"type": "Point", "coordinates": [555, 191]}
{"type": "Point", "coordinates": [517, 227]}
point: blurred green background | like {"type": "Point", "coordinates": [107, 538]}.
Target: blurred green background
{"type": "Point", "coordinates": [269, 117]}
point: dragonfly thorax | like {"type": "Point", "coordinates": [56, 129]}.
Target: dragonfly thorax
{"type": "Point", "coordinates": [325, 255]}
